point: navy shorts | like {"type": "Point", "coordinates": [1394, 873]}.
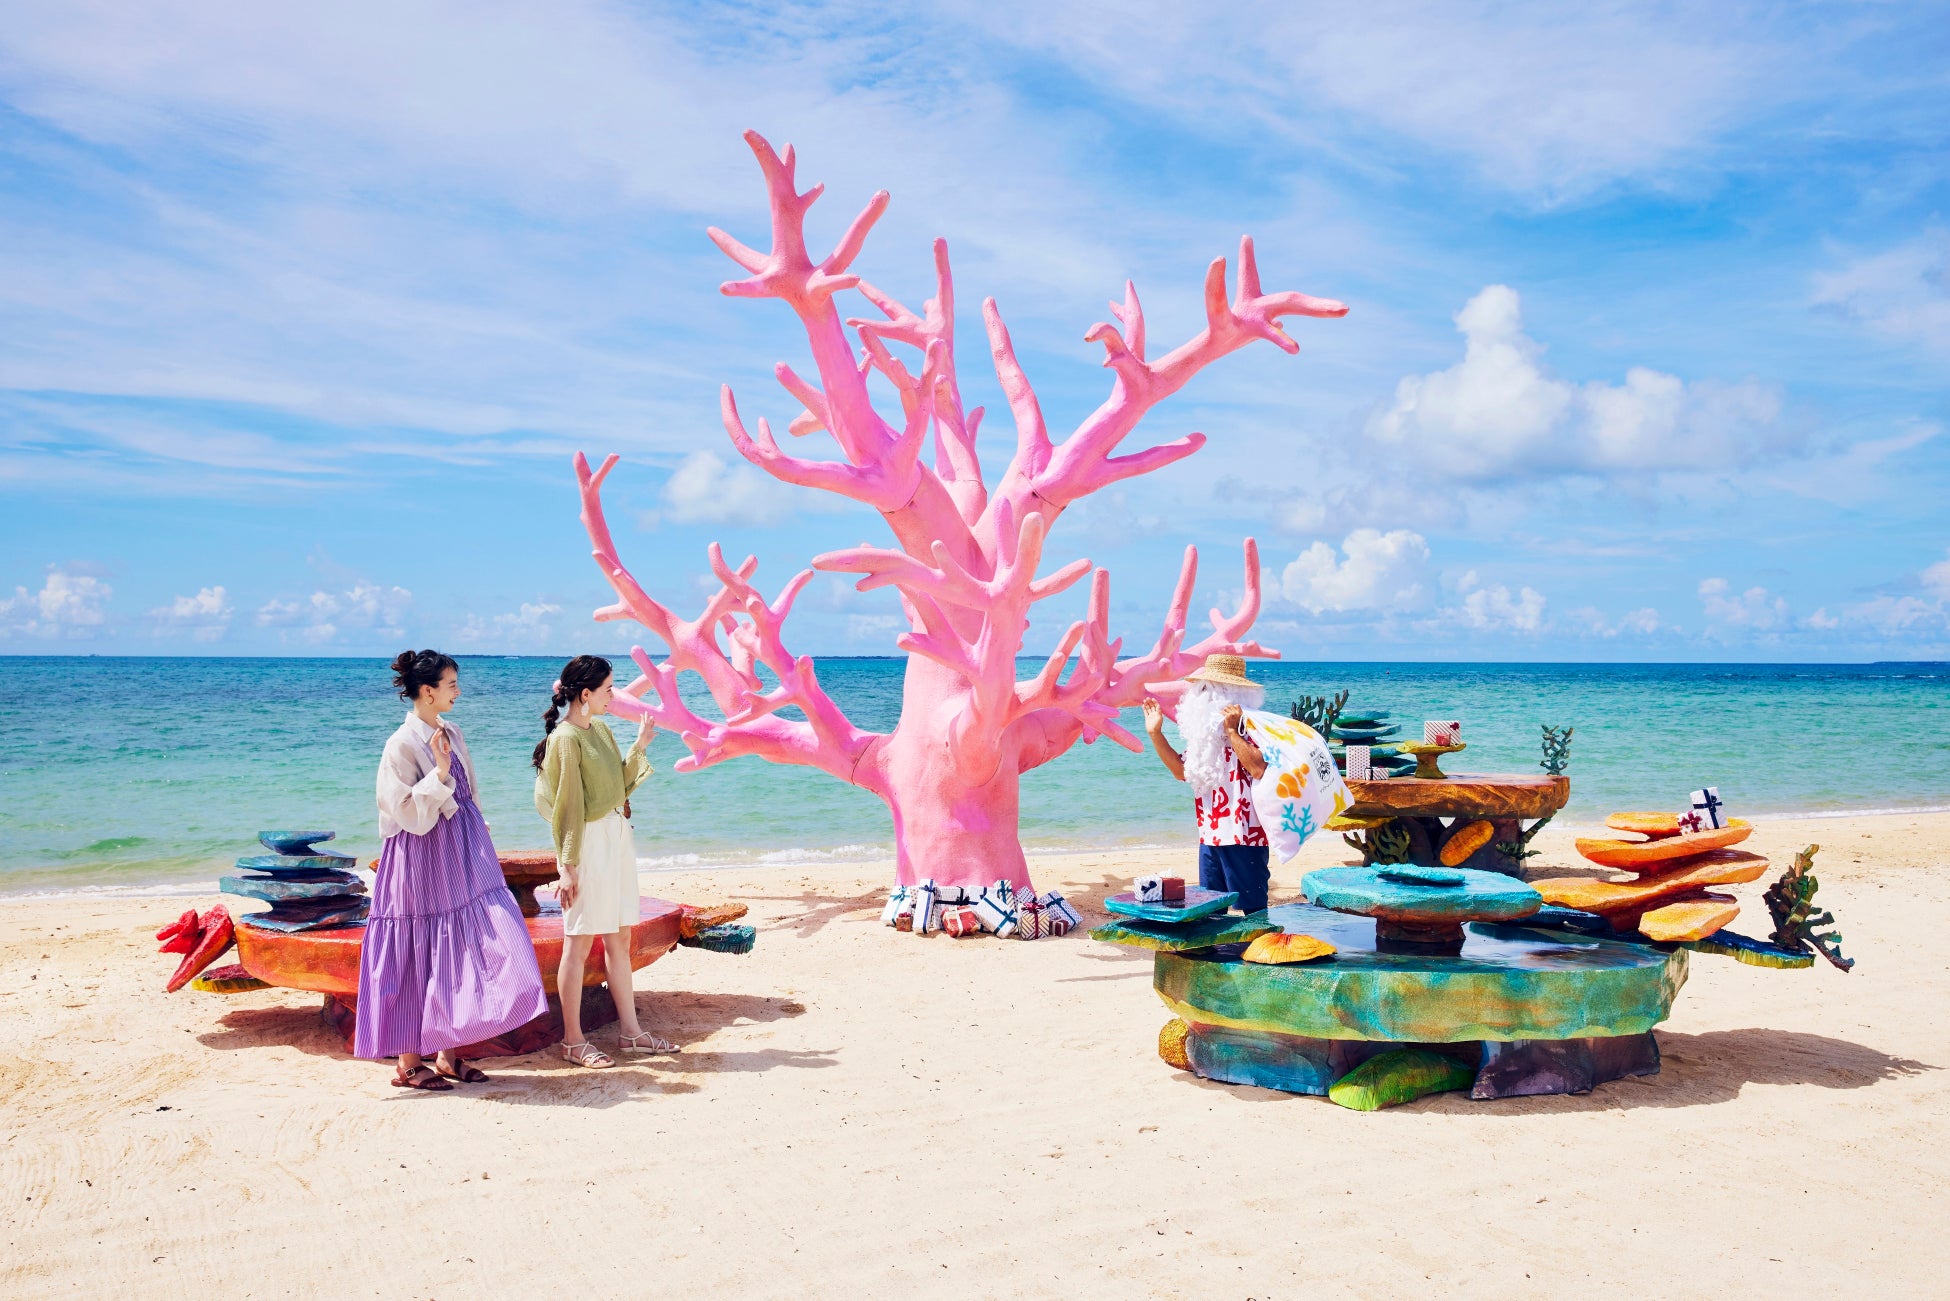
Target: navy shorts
{"type": "Point", "coordinates": [1241, 868]}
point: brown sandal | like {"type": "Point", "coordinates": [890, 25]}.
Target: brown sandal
{"type": "Point", "coordinates": [430, 1082]}
{"type": "Point", "coordinates": [464, 1073]}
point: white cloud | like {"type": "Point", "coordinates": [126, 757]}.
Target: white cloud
{"type": "Point", "coordinates": [204, 616]}
{"type": "Point", "coordinates": [874, 627]}
{"type": "Point", "coordinates": [1642, 622]}
{"type": "Point", "coordinates": [1543, 100]}
{"type": "Point", "coordinates": [527, 628]}
{"type": "Point", "coordinates": [1495, 608]}
{"type": "Point", "coordinates": [1822, 621]}
{"type": "Point", "coordinates": [320, 618]}
{"type": "Point", "coordinates": [1754, 608]}
{"type": "Point", "coordinates": [1499, 412]}
{"type": "Point", "coordinates": [69, 604]}
{"type": "Point", "coordinates": [1936, 579]}
{"type": "Point", "coordinates": [1901, 293]}
{"type": "Point", "coordinates": [1381, 571]}
{"type": "Point", "coordinates": [708, 489]}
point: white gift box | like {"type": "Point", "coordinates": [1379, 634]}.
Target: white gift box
{"type": "Point", "coordinates": [1442, 732]}
{"type": "Point", "coordinates": [1359, 766]}
{"type": "Point", "coordinates": [951, 894]}
{"type": "Point", "coordinates": [924, 910]}
{"type": "Point", "coordinates": [1057, 908]}
{"type": "Point", "coordinates": [995, 907]}
{"type": "Point", "coordinates": [897, 903]}
{"type": "Point", "coordinates": [1149, 889]}
{"type": "Point", "coordinates": [1690, 822]}
{"type": "Point", "coordinates": [1707, 804]}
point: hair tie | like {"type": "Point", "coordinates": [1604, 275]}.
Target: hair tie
{"type": "Point", "coordinates": [556, 690]}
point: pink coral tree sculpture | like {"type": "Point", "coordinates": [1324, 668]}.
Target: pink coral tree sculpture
{"type": "Point", "coordinates": [965, 558]}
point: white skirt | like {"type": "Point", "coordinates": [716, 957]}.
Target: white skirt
{"type": "Point", "coordinates": [606, 895]}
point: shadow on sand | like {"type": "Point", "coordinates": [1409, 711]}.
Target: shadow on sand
{"type": "Point", "coordinates": [1696, 1070]}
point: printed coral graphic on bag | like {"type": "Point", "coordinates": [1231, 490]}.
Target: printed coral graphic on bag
{"type": "Point", "coordinates": [1295, 796]}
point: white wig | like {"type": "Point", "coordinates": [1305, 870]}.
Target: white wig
{"type": "Point", "coordinates": [1201, 722]}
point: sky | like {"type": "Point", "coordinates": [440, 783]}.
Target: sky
{"type": "Point", "coordinates": [304, 311]}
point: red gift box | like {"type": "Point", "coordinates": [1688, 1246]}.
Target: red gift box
{"type": "Point", "coordinates": [1174, 888]}
{"type": "Point", "coordinates": [960, 922]}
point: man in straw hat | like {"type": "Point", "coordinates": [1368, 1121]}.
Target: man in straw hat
{"type": "Point", "coordinates": [1220, 764]}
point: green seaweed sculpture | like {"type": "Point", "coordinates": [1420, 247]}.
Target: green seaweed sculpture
{"type": "Point", "coordinates": [1557, 750]}
{"type": "Point", "coordinates": [1387, 843]}
{"type": "Point", "coordinates": [1519, 849]}
{"type": "Point", "coordinates": [1319, 712]}
{"type": "Point", "coordinates": [1791, 900]}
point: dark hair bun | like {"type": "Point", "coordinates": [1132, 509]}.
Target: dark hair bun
{"type": "Point", "coordinates": [415, 669]}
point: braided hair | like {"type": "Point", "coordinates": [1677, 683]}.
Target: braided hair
{"type": "Point", "coordinates": [583, 673]}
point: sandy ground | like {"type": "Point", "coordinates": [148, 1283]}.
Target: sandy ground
{"type": "Point", "coordinates": [860, 1112]}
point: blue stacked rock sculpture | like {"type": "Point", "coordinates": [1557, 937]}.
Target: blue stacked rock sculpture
{"type": "Point", "coordinates": [1369, 727]}
{"type": "Point", "coordinates": [308, 888]}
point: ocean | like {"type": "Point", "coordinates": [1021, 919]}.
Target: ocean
{"type": "Point", "coordinates": [120, 773]}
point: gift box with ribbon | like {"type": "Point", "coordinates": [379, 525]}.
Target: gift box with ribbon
{"type": "Point", "coordinates": [1149, 889]}
{"type": "Point", "coordinates": [1712, 813]}
{"type": "Point", "coordinates": [1058, 909]}
{"type": "Point", "coordinates": [1442, 732]}
{"type": "Point", "coordinates": [996, 907]}
{"type": "Point", "coordinates": [897, 903]}
{"type": "Point", "coordinates": [960, 921]}
{"type": "Point", "coordinates": [1030, 919]}
{"type": "Point", "coordinates": [923, 909]}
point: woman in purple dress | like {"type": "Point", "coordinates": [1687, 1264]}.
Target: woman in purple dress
{"type": "Point", "coordinates": [447, 960]}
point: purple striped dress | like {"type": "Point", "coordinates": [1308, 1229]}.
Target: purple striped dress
{"type": "Point", "coordinates": [446, 960]}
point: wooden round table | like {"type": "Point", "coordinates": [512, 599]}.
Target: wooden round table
{"type": "Point", "coordinates": [1414, 809]}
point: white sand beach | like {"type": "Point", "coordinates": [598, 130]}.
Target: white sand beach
{"type": "Point", "coordinates": [857, 1112]}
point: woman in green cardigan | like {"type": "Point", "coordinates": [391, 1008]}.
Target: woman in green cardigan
{"type": "Point", "coordinates": [582, 786]}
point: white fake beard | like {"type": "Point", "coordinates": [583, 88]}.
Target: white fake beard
{"type": "Point", "coordinates": [1202, 724]}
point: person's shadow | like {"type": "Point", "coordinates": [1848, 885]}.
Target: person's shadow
{"type": "Point", "coordinates": [542, 1077]}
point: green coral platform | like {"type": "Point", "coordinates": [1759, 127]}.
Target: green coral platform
{"type": "Point", "coordinates": [1528, 1010]}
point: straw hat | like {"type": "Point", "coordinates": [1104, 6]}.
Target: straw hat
{"type": "Point", "coordinates": [1223, 671]}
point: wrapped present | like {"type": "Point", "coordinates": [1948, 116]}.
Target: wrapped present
{"type": "Point", "coordinates": [1054, 926]}
{"type": "Point", "coordinates": [904, 922]}
{"type": "Point", "coordinates": [1707, 804]}
{"type": "Point", "coordinates": [1057, 908]}
{"type": "Point", "coordinates": [897, 903]}
{"type": "Point", "coordinates": [1359, 765]}
{"type": "Point", "coordinates": [1689, 822]}
{"type": "Point", "coordinates": [960, 921]}
{"type": "Point", "coordinates": [1445, 732]}
{"type": "Point", "coordinates": [951, 894]}
{"type": "Point", "coordinates": [996, 908]}
{"type": "Point", "coordinates": [1148, 889]}
{"type": "Point", "coordinates": [1029, 919]}
{"type": "Point", "coordinates": [1173, 888]}
{"type": "Point", "coordinates": [923, 908]}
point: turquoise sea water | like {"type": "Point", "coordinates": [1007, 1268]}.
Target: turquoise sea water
{"type": "Point", "coordinates": [122, 772]}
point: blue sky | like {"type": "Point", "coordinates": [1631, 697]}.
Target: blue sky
{"type": "Point", "coordinates": [303, 312]}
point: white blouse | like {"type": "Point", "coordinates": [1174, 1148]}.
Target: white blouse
{"type": "Point", "coordinates": [412, 798]}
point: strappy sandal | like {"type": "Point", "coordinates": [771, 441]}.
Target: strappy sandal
{"type": "Point", "coordinates": [586, 1054]}
{"type": "Point", "coordinates": [635, 1043]}
{"type": "Point", "coordinates": [429, 1081]}
{"type": "Point", "coordinates": [464, 1073]}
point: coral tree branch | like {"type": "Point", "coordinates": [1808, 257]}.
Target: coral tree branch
{"type": "Point", "coordinates": [751, 637]}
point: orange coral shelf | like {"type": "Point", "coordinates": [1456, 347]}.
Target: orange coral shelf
{"type": "Point", "coordinates": [327, 961]}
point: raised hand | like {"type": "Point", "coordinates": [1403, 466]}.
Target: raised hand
{"type": "Point", "coordinates": [1232, 716]}
{"type": "Point", "coordinates": [443, 752]}
{"type": "Point", "coordinates": [1154, 715]}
